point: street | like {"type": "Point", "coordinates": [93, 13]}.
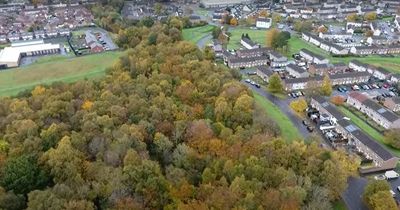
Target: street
{"type": "Point", "coordinates": [283, 105]}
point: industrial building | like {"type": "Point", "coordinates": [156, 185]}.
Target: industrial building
{"type": "Point", "coordinates": [11, 56]}
{"type": "Point", "coordinates": [223, 3]}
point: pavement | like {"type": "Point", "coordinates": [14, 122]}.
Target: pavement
{"type": "Point", "coordinates": [352, 197]}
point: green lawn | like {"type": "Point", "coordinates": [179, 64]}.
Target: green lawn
{"type": "Point", "coordinates": [339, 205]}
{"type": "Point", "coordinates": [236, 35]}
{"type": "Point", "coordinates": [390, 63]}
{"type": "Point", "coordinates": [50, 69]}
{"type": "Point", "coordinates": [195, 34]}
{"type": "Point", "coordinates": [288, 130]}
{"type": "Point", "coordinates": [368, 129]}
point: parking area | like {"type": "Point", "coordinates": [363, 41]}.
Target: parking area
{"type": "Point", "coordinates": [91, 40]}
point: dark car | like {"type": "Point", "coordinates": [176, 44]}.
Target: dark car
{"type": "Point", "coordinates": [257, 85]}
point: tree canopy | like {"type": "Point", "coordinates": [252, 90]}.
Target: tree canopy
{"type": "Point", "coordinates": [165, 128]}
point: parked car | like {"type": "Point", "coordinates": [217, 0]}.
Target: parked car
{"type": "Point", "coordinates": [391, 174]}
{"type": "Point", "coordinates": [247, 80]}
{"type": "Point", "coordinates": [393, 193]}
{"type": "Point", "coordinates": [251, 73]}
{"type": "Point", "coordinates": [305, 123]}
{"type": "Point", "coordinates": [257, 85]}
{"type": "Point", "coordinates": [253, 83]}
{"type": "Point", "coordinates": [355, 87]}
{"type": "Point", "coordinates": [310, 129]}
{"type": "Point", "coordinates": [380, 177]}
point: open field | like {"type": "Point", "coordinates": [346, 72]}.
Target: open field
{"type": "Point", "coordinates": [236, 35]}
{"type": "Point", "coordinates": [51, 69]}
{"type": "Point", "coordinates": [195, 34]}
{"type": "Point", "coordinates": [368, 129]}
{"type": "Point", "coordinates": [288, 130]}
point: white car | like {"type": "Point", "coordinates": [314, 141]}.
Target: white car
{"type": "Point", "coordinates": [393, 193]}
{"type": "Point", "coordinates": [391, 174]}
{"type": "Point", "coordinates": [248, 80]}
{"type": "Point", "coordinates": [380, 177]}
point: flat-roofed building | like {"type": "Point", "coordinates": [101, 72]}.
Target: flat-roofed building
{"type": "Point", "coordinates": [11, 56]}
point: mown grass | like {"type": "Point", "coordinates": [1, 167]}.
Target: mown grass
{"type": "Point", "coordinates": [258, 36]}
{"type": "Point", "coordinates": [195, 34]}
{"type": "Point", "coordinates": [368, 130]}
{"type": "Point", "coordinates": [288, 130]}
{"type": "Point", "coordinates": [51, 69]}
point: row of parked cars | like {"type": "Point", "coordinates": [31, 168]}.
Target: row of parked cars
{"type": "Point", "coordinates": [387, 176]}
{"type": "Point", "coordinates": [296, 94]}
{"type": "Point", "coordinates": [253, 83]}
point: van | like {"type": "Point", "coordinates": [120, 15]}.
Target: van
{"type": "Point", "coordinates": [391, 174]}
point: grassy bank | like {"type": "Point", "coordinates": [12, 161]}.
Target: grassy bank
{"type": "Point", "coordinates": [236, 35]}
{"type": "Point", "coordinates": [195, 34]}
{"type": "Point", "coordinates": [51, 69]}
{"type": "Point", "coordinates": [288, 130]}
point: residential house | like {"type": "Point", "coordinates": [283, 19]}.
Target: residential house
{"type": "Point", "coordinates": [325, 45]}
{"type": "Point", "coordinates": [312, 57]}
{"type": "Point", "coordinates": [338, 50]}
{"type": "Point", "coordinates": [393, 104]}
{"type": "Point", "coordinates": [247, 62]}
{"type": "Point", "coordinates": [296, 71]}
{"type": "Point", "coordinates": [358, 66]}
{"type": "Point", "coordinates": [383, 117]}
{"type": "Point", "coordinates": [379, 72]}
{"type": "Point", "coordinates": [349, 78]}
{"type": "Point", "coordinates": [375, 28]}
{"type": "Point", "coordinates": [264, 73]}
{"type": "Point", "coordinates": [378, 40]}
{"type": "Point", "coordinates": [382, 159]}
{"type": "Point", "coordinates": [248, 43]}
{"type": "Point", "coordinates": [3, 38]}
{"type": "Point", "coordinates": [302, 83]}
{"type": "Point", "coordinates": [217, 47]}
{"type": "Point", "coordinates": [395, 78]}
{"type": "Point", "coordinates": [277, 59]}
{"type": "Point", "coordinates": [257, 52]}
{"type": "Point", "coordinates": [340, 35]}
{"type": "Point", "coordinates": [319, 69]}
{"type": "Point", "coordinates": [306, 36]}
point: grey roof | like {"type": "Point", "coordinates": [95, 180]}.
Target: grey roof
{"type": "Point", "coordinates": [247, 59]}
{"type": "Point", "coordinates": [276, 54]}
{"type": "Point", "coordinates": [303, 80]}
{"type": "Point", "coordinates": [296, 68]}
{"type": "Point", "coordinates": [371, 144]}
{"type": "Point", "coordinates": [308, 52]}
{"type": "Point", "coordinates": [249, 41]}
{"type": "Point", "coordinates": [388, 115]}
{"type": "Point", "coordinates": [329, 107]}
{"type": "Point", "coordinates": [358, 63]}
{"type": "Point", "coordinates": [265, 70]}
{"type": "Point", "coordinates": [349, 75]}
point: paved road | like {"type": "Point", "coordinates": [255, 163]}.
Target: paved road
{"type": "Point", "coordinates": [353, 194]}
{"type": "Point", "coordinates": [203, 41]}
{"type": "Point", "coordinates": [284, 107]}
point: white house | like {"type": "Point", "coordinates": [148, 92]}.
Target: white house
{"type": "Point", "coordinates": [264, 23]}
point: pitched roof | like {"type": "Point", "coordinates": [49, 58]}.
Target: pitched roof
{"type": "Point", "coordinates": [358, 96]}
{"type": "Point", "coordinates": [265, 70]}
{"type": "Point", "coordinates": [388, 115]}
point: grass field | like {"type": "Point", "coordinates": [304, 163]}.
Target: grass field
{"type": "Point", "coordinates": [236, 35]}
{"type": "Point", "coordinates": [288, 130]}
{"type": "Point", "coordinates": [339, 205]}
{"type": "Point", "coordinates": [195, 34]}
{"type": "Point", "coordinates": [55, 68]}
{"type": "Point", "coordinates": [368, 129]}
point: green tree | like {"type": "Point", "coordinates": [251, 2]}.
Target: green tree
{"type": "Point", "coordinates": [377, 196]}
{"type": "Point", "coordinates": [22, 175]}
{"type": "Point", "coordinates": [275, 84]}
{"type": "Point", "coordinates": [299, 105]}
{"type": "Point", "coordinates": [326, 88]}
{"type": "Point", "coordinates": [392, 137]}
{"type": "Point", "coordinates": [370, 16]}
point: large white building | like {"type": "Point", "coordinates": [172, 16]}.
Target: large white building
{"type": "Point", "coordinates": [223, 3]}
{"type": "Point", "coordinates": [11, 56]}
